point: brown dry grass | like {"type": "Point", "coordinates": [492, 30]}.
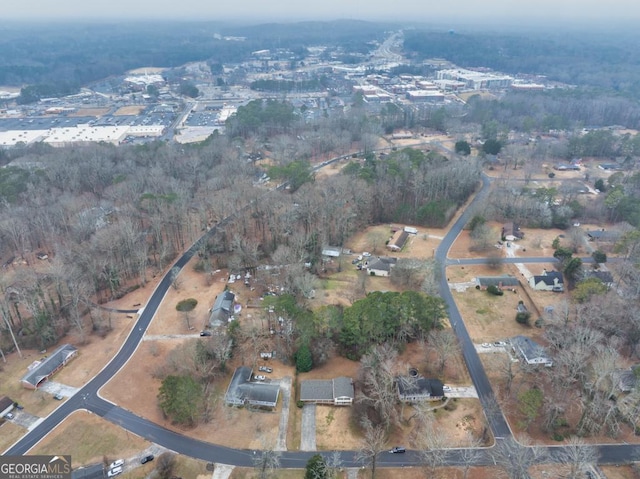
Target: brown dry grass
{"type": "Point", "coordinates": [88, 438]}
{"type": "Point", "coordinates": [90, 112]}
{"type": "Point", "coordinates": [129, 110]}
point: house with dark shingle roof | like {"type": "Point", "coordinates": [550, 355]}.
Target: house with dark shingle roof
{"type": "Point", "coordinates": [41, 371]}
{"type": "Point", "coordinates": [503, 281]}
{"type": "Point", "coordinates": [6, 405]}
{"type": "Point", "coordinates": [605, 276]}
{"type": "Point", "coordinates": [417, 389]}
{"type": "Point", "coordinates": [603, 236]}
{"type": "Point", "coordinates": [548, 281]}
{"type": "Point", "coordinates": [222, 309]}
{"type": "Point", "coordinates": [338, 391]}
{"type": "Point", "coordinates": [381, 266]}
{"type": "Point", "coordinates": [243, 392]}
{"type": "Point", "coordinates": [398, 240]}
{"type": "Point", "coordinates": [511, 232]}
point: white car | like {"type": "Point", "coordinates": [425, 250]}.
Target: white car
{"type": "Point", "coordinates": [260, 378]}
{"type": "Point", "coordinates": [116, 463]}
{"type": "Point", "coordinates": [115, 471]}
{"type": "Point", "coordinates": [366, 254]}
{"type": "Point", "coordinates": [446, 388]}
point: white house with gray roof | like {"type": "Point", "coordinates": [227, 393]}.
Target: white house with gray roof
{"type": "Point", "coordinates": [338, 391]}
{"type": "Point", "coordinates": [531, 352]}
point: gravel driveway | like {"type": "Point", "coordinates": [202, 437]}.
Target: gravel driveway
{"type": "Point", "coordinates": [285, 391]}
{"type": "Point", "coordinates": [308, 428]}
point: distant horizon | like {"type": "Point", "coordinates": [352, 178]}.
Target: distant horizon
{"type": "Point", "coordinates": [503, 13]}
{"type": "Point", "coordinates": [444, 23]}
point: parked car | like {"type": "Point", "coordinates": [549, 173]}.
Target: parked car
{"type": "Point", "coordinates": [9, 415]}
{"type": "Point", "coordinates": [116, 463]}
{"type": "Point", "coordinates": [146, 459]}
{"type": "Point", "coordinates": [205, 333]}
{"type": "Point", "coordinates": [58, 397]}
{"type": "Point", "coordinates": [355, 261]}
{"type": "Point", "coordinates": [115, 471]}
{"type": "Point", "coordinates": [265, 369]}
{"type": "Point", "coordinates": [260, 377]}
{"type": "Point", "coordinates": [398, 450]}
{"type": "Point", "coordinates": [18, 406]}
{"type": "Point", "coordinates": [446, 388]}
{"type": "Point", "coordinates": [366, 254]}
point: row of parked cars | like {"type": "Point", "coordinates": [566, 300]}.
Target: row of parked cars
{"type": "Point", "coordinates": [117, 466]}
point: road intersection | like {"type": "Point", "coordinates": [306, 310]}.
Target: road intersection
{"type": "Point", "coordinates": [88, 397]}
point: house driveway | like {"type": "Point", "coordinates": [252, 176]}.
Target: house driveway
{"type": "Point", "coordinates": [285, 391]}
{"type": "Point", "coordinates": [222, 471]}
{"type": "Point", "coordinates": [58, 388]}
{"type": "Point", "coordinates": [308, 428]}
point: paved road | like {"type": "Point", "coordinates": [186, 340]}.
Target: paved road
{"type": "Point", "coordinates": [88, 397]}
{"type": "Point", "coordinates": [495, 418]}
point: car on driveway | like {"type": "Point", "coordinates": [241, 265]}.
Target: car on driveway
{"type": "Point", "coordinates": [205, 333]}
{"type": "Point", "coordinates": [446, 388]}
{"type": "Point", "coordinates": [260, 377]}
{"type": "Point", "coordinates": [116, 463]}
{"type": "Point", "coordinates": [265, 369]}
{"type": "Point", "coordinates": [9, 415]}
{"type": "Point", "coordinates": [58, 397]}
{"type": "Point", "coordinates": [398, 450]}
{"type": "Point", "coordinates": [146, 459]}
{"type": "Point", "coordinates": [115, 471]}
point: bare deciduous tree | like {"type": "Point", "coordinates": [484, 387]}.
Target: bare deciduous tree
{"type": "Point", "coordinates": [373, 442]}
{"type": "Point", "coordinates": [577, 456]}
{"type": "Point", "coordinates": [515, 459]}
{"type": "Point", "coordinates": [266, 462]}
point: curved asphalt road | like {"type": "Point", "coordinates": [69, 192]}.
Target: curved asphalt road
{"type": "Point", "coordinates": [87, 398]}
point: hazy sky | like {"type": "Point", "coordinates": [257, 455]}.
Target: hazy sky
{"type": "Point", "coordinates": [574, 11]}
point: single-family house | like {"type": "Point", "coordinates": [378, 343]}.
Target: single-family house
{"type": "Point", "coordinates": [531, 352]}
{"type": "Point", "coordinates": [603, 236]}
{"type": "Point", "coordinates": [40, 371]}
{"type": "Point", "coordinates": [338, 391]}
{"type": "Point", "coordinates": [381, 266]}
{"type": "Point", "coordinates": [605, 276]}
{"type": "Point", "coordinates": [502, 281]}
{"type": "Point", "coordinates": [398, 240]}
{"type": "Point", "coordinates": [626, 380]}
{"type": "Point", "coordinates": [222, 309]}
{"type": "Point", "coordinates": [244, 392]}
{"type": "Point", "coordinates": [548, 281]}
{"type": "Point", "coordinates": [6, 405]}
{"type": "Point", "coordinates": [511, 232]}
{"type": "Point", "coordinates": [416, 389]}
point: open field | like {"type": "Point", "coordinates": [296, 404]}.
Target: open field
{"type": "Point", "coordinates": [88, 438]}
{"type": "Point", "coordinates": [129, 110]}
{"type": "Point", "coordinates": [90, 112]}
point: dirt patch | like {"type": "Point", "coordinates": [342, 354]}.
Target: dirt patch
{"type": "Point", "coordinates": [129, 110]}
{"type": "Point", "coordinates": [88, 438]}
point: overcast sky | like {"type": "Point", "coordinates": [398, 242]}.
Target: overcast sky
{"type": "Point", "coordinates": [574, 11]}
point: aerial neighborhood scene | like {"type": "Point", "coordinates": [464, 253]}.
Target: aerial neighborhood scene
{"type": "Point", "coordinates": [320, 241]}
